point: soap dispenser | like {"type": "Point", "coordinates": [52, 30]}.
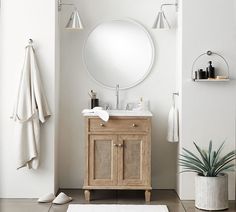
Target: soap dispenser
{"type": "Point", "coordinates": [211, 70]}
{"type": "Point", "coordinates": [142, 105]}
{"type": "Point", "coordinates": [94, 99]}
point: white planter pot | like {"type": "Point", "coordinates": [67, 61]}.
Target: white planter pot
{"type": "Point", "coordinates": [211, 193]}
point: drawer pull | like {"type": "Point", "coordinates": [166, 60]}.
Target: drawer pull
{"type": "Point", "coordinates": [134, 125]}
{"type": "Point", "coordinates": [120, 145]}
{"type": "Point", "coordinates": [102, 125]}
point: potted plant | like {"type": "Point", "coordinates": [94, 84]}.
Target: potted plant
{"type": "Point", "coordinates": [211, 181]}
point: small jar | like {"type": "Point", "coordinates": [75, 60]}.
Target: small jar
{"type": "Point", "coordinates": [201, 74]}
{"type": "Point", "coordinates": [196, 75]}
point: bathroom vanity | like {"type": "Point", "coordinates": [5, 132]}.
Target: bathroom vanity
{"type": "Point", "coordinates": [118, 152]}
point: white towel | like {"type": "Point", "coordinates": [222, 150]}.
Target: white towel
{"type": "Point", "coordinates": [173, 125]}
{"type": "Point", "coordinates": [31, 107]}
{"type": "Point", "coordinates": [98, 111]}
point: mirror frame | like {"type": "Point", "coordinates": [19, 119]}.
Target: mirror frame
{"type": "Point", "coordinates": [149, 69]}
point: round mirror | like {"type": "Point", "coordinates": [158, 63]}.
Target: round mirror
{"type": "Point", "coordinates": [120, 53]}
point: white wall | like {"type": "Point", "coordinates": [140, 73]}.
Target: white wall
{"type": "Point", "coordinates": [57, 98]}
{"type": "Point", "coordinates": [75, 84]}
{"type": "Point", "coordinates": [207, 109]}
{"type": "Point", "coordinates": [21, 21]}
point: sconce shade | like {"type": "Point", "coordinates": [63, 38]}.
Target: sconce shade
{"type": "Point", "coordinates": [161, 21]}
{"type": "Point", "coordinates": [74, 21]}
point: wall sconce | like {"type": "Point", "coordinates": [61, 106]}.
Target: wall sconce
{"type": "Point", "coordinates": [161, 21]}
{"type": "Point", "coordinates": [75, 20]}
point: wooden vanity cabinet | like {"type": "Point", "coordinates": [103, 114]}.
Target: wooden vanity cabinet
{"type": "Point", "coordinates": [118, 154]}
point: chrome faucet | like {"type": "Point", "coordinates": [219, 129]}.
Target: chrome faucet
{"type": "Point", "coordinates": [117, 96]}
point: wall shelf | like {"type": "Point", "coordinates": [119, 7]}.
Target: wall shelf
{"type": "Point", "coordinates": [209, 53]}
{"type": "Point", "coordinates": [211, 80]}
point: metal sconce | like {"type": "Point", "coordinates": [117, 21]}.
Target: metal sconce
{"type": "Point", "coordinates": [75, 20]}
{"type": "Point", "coordinates": [161, 21]}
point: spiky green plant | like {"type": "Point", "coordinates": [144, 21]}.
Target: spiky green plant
{"type": "Point", "coordinates": [208, 163]}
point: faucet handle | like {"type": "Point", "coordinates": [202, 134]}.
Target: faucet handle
{"type": "Point", "coordinates": [129, 106]}
{"type": "Point", "coordinates": [107, 107]}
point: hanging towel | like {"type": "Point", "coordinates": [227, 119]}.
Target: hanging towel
{"type": "Point", "coordinates": [173, 123]}
{"type": "Point", "coordinates": [30, 109]}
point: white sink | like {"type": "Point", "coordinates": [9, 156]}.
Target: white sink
{"type": "Point", "coordinates": [129, 113]}
{"type": "Point", "coordinates": [121, 113]}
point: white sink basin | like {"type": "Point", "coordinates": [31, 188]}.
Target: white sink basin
{"type": "Point", "coordinates": [121, 113]}
{"type": "Point", "coordinates": [129, 113]}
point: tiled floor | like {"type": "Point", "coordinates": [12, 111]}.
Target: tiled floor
{"type": "Point", "coordinates": [159, 197]}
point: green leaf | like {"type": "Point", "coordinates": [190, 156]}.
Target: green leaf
{"type": "Point", "coordinates": [194, 162]}
{"type": "Point", "coordinates": [225, 168]}
{"type": "Point", "coordinates": [209, 152]}
{"type": "Point", "coordinates": [204, 158]}
{"type": "Point", "coordinates": [191, 158]}
{"type": "Point", "coordinates": [207, 163]}
{"type": "Point", "coordinates": [218, 153]}
{"type": "Point", "coordinates": [227, 157]}
{"type": "Point", "coordinates": [190, 153]}
{"type": "Point", "coordinates": [191, 166]}
{"type": "Point", "coordinates": [225, 164]}
{"type": "Point", "coordinates": [190, 170]}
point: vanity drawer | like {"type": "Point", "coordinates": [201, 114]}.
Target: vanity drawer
{"type": "Point", "coordinates": [119, 125]}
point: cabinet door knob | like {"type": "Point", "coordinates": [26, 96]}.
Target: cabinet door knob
{"type": "Point", "coordinates": [134, 125]}
{"type": "Point", "coordinates": [115, 145]}
{"type": "Point", "coordinates": [102, 125]}
{"type": "Point", "coordinates": [120, 145]}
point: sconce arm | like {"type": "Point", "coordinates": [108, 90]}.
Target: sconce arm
{"type": "Point", "coordinates": [163, 5]}
{"type": "Point", "coordinates": [67, 4]}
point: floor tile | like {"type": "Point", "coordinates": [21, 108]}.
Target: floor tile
{"type": "Point", "coordinates": [97, 196]}
{"type": "Point", "coordinates": [159, 197]}
{"type": "Point", "coordinates": [165, 196]}
{"type": "Point", "coordinates": [176, 207]}
{"type": "Point", "coordinates": [190, 206]}
{"type": "Point", "coordinates": [23, 205]}
{"type": "Point", "coordinates": [59, 208]}
{"type": "Point", "coordinates": [130, 197]}
{"type": "Point", "coordinates": [103, 197]}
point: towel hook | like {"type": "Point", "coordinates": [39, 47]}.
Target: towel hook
{"type": "Point", "coordinates": [173, 97]}
{"type": "Point", "coordinates": [31, 41]}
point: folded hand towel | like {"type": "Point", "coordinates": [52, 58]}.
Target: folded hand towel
{"type": "Point", "coordinates": [104, 115]}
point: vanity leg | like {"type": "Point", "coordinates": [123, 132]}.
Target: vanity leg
{"type": "Point", "coordinates": [87, 195]}
{"type": "Point", "coordinates": [147, 195]}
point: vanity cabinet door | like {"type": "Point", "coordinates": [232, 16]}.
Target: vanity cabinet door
{"type": "Point", "coordinates": [102, 160]}
{"type": "Point", "coordinates": [133, 168]}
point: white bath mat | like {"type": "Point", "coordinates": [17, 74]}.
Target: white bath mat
{"type": "Point", "coordinates": [116, 208]}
